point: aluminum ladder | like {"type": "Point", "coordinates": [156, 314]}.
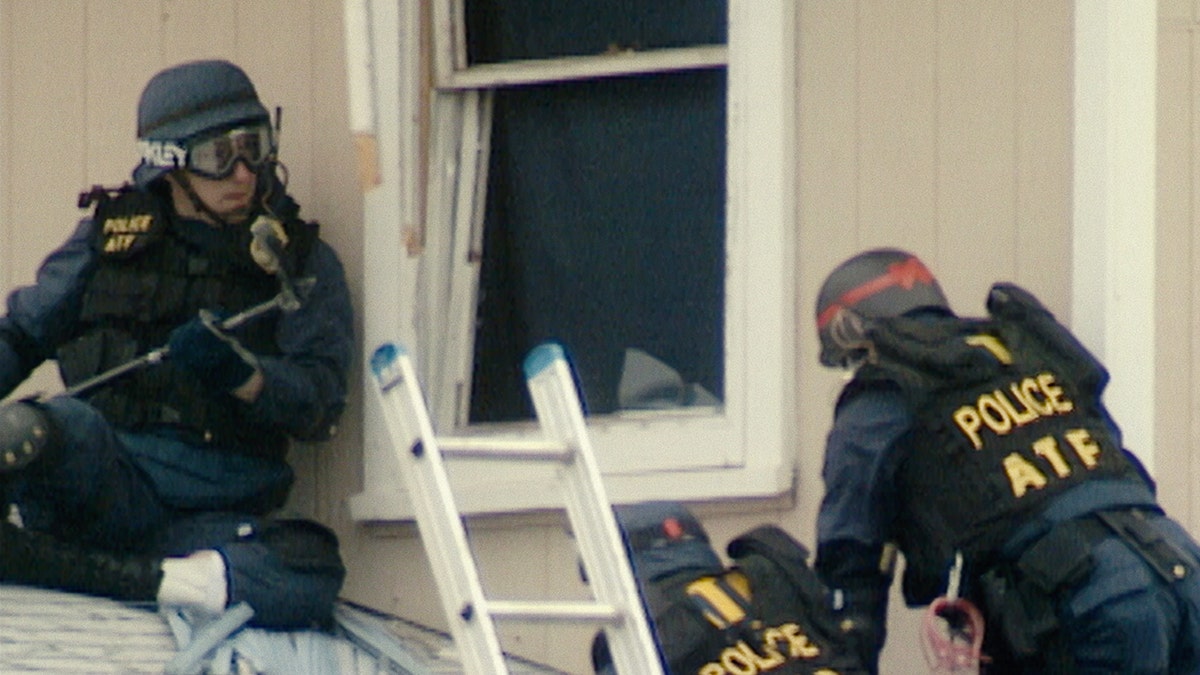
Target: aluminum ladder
{"type": "Point", "coordinates": [564, 442]}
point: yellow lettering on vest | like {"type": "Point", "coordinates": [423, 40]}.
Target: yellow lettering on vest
{"type": "Point", "coordinates": [799, 646]}
{"type": "Point", "coordinates": [1025, 402]}
{"type": "Point", "coordinates": [1028, 387]}
{"type": "Point", "coordinates": [772, 635]}
{"type": "Point", "coordinates": [1020, 417]}
{"type": "Point", "coordinates": [739, 583]}
{"type": "Point", "coordinates": [118, 242]}
{"type": "Point", "coordinates": [128, 225]}
{"type": "Point", "coordinates": [116, 225]}
{"type": "Point", "coordinates": [720, 610]}
{"type": "Point", "coordinates": [781, 644]}
{"type": "Point", "coordinates": [993, 415]}
{"type": "Point", "coordinates": [774, 657]}
{"type": "Point", "coordinates": [1046, 447]}
{"type": "Point", "coordinates": [1087, 449]}
{"type": "Point", "coordinates": [739, 659]}
{"type": "Point", "coordinates": [993, 345]}
{"type": "Point", "coordinates": [969, 421]}
{"type": "Point", "coordinates": [140, 223]}
{"type": "Point", "coordinates": [1054, 393]}
{"type": "Point", "coordinates": [753, 656]}
{"type": "Point", "coordinates": [1022, 475]}
{"type": "Point", "coordinates": [770, 659]}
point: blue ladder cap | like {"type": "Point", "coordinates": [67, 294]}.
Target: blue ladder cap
{"type": "Point", "coordinates": [385, 355]}
{"type": "Point", "coordinates": [540, 358]}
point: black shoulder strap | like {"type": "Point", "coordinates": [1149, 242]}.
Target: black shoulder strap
{"type": "Point", "coordinates": [935, 351]}
{"type": "Point", "coordinates": [790, 557]}
{"type": "Point", "coordinates": [1012, 303]}
{"type": "Point", "coordinates": [768, 550]}
{"type": "Point", "coordinates": [767, 538]}
{"type": "Point", "coordinates": [771, 542]}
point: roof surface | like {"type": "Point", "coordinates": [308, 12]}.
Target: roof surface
{"type": "Point", "coordinates": [44, 631]}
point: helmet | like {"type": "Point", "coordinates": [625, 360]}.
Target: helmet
{"type": "Point", "coordinates": [878, 283]}
{"type": "Point", "coordinates": [664, 538]}
{"type": "Point", "coordinates": [186, 102]}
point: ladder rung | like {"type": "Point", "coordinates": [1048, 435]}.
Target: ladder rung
{"type": "Point", "coordinates": [614, 605]}
{"type": "Point", "coordinates": [554, 611]}
{"type": "Point", "coordinates": [492, 448]}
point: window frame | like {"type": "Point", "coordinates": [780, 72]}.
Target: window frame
{"type": "Point", "coordinates": [423, 224]}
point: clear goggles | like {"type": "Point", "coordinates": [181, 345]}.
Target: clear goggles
{"type": "Point", "coordinates": [216, 157]}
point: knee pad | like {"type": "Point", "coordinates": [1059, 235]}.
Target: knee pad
{"type": "Point", "coordinates": [27, 435]}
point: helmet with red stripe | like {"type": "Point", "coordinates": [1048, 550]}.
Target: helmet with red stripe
{"type": "Point", "coordinates": [878, 283]}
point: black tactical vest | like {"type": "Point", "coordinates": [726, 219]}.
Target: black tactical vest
{"type": "Point", "coordinates": [767, 615]}
{"type": "Point", "coordinates": [1007, 416]}
{"type": "Point", "coordinates": [153, 275]}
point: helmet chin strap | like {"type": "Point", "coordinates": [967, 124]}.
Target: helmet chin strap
{"type": "Point", "coordinates": [266, 186]}
{"type": "Point", "coordinates": [185, 182]}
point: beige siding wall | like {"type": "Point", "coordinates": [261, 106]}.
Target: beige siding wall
{"type": "Point", "coordinates": [942, 127]}
{"type": "Point", "coordinates": [1177, 391]}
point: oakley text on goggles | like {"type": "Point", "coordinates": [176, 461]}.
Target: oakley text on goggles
{"type": "Point", "coordinates": [214, 157]}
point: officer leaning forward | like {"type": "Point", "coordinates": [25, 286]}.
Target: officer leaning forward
{"type": "Point", "coordinates": [160, 485]}
{"type": "Point", "coordinates": [986, 438]}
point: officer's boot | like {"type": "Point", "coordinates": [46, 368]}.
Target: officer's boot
{"type": "Point", "coordinates": [27, 435]}
{"type": "Point", "coordinates": [37, 559]}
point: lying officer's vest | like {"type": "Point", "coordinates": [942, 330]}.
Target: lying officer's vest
{"type": "Point", "coordinates": [152, 276]}
{"type": "Point", "coordinates": [767, 614]}
{"type": "Point", "coordinates": [1008, 416]}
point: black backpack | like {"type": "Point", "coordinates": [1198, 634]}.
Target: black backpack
{"type": "Point", "coordinates": [766, 613]}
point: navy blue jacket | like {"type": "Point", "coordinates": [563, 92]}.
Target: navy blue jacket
{"type": "Point", "coordinates": [855, 519]}
{"type": "Point", "coordinates": [306, 381]}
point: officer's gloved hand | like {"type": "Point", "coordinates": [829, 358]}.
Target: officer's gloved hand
{"type": "Point", "coordinates": [215, 357]}
{"type": "Point", "coordinates": [861, 615]}
{"type": "Point", "coordinates": [864, 637]}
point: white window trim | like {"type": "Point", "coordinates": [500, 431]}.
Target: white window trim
{"type": "Point", "coordinates": [745, 451]}
{"type": "Point", "coordinates": [1114, 225]}
{"type": "Point", "coordinates": [513, 73]}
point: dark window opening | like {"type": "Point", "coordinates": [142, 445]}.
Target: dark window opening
{"type": "Point", "coordinates": [605, 218]}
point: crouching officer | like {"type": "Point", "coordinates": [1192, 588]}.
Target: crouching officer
{"type": "Point", "coordinates": [164, 484]}
{"type": "Point", "coordinates": [766, 614]}
{"type": "Point", "coordinates": [987, 438]}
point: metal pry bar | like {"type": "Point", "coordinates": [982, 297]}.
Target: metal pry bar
{"type": "Point", "coordinates": [284, 301]}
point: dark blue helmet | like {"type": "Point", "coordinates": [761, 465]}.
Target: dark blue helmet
{"type": "Point", "coordinates": [878, 283]}
{"type": "Point", "coordinates": [187, 102]}
{"type": "Point", "coordinates": [664, 538]}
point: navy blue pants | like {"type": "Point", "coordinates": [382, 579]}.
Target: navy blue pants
{"type": "Point", "coordinates": [1128, 619]}
{"type": "Point", "coordinates": [154, 494]}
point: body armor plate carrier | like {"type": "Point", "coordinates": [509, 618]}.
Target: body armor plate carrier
{"type": "Point", "coordinates": [151, 276]}
{"type": "Point", "coordinates": [1007, 416]}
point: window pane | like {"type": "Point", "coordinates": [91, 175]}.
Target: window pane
{"type": "Point", "coordinates": [504, 30]}
{"type": "Point", "coordinates": [605, 231]}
